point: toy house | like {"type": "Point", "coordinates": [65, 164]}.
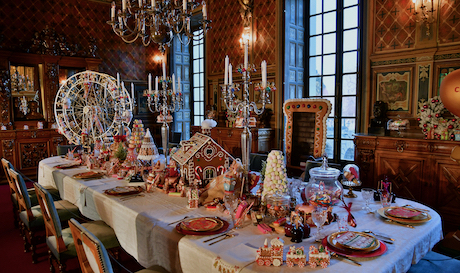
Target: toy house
{"type": "Point", "coordinates": [201, 158]}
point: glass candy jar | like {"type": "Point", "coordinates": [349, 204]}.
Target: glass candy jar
{"type": "Point", "coordinates": [324, 189]}
{"type": "Point", "coordinates": [278, 206]}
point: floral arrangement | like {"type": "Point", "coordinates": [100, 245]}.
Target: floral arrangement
{"type": "Point", "coordinates": [432, 122]}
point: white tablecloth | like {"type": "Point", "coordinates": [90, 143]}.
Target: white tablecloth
{"type": "Point", "coordinates": [141, 225]}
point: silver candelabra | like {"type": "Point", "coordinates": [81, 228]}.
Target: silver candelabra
{"type": "Point", "coordinates": [243, 107]}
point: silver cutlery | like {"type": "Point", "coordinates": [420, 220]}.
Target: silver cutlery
{"type": "Point", "coordinates": [210, 239]}
{"type": "Point", "coordinates": [386, 237]}
{"type": "Point", "coordinates": [400, 223]}
{"type": "Point", "coordinates": [178, 220]}
{"type": "Point", "coordinates": [343, 257]}
{"type": "Point", "coordinates": [414, 208]}
{"type": "Point", "coordinates": [131, 197]}
{"type": "Point", "coordinates": [227, 236]}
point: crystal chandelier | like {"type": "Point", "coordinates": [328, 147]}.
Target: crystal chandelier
{"type": "Point", "coordinates": [157, 21]}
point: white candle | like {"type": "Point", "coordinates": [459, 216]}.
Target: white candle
{"type": "Point", "coordinates": [164, 71]}
{"type": "Point", "coordinates": [120, 20]}
{"type": "Point", "coordinates": [230, 74]}
{"type": "Point", "coordinates": [150, 82]}
{"type": "Point", "coordinates": [123, 5]}
{"type": "Point", "coordinates": [132, 91]}
{"type": "Point", "coordinates": [118, 80]}
{"type": "Point", "coordinates": [152, 3]}
{"type": "Point", "coordinates": [122, 88]}
{"type": "Point", "coordinates": [112, 14]}
{"type": "Point", "coordinates": [140, 3]}
{"type": "Point", "coordinates": [245, 54]}
{"type": "Point", "coordinates": [178, 84]}
{"type": "Point", "coordinates": [173, 83]}
{"type": "Point", "coordinates": [156, 84]}
{"type": "Point", "coordinates": [226, 70]}
{"type": "Point", "coordinates": [263, 67]}
{"type": "Point", "coordinates": [184, 5]}
{"type": "Point", "coordinates": [205, 12]}
{"type": "Point", "coordinates": [188, 24]}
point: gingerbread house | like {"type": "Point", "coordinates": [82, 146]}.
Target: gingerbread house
{"type": "Point", "coordinates": [201, 158]}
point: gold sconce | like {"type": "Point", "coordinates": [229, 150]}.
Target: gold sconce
{"type": "Point", "coordinates": [424, 12]}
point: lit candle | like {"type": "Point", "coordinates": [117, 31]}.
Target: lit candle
{"type": "Point", "coordinates": [112, 14]}
{"type": "Point", "coordinates": [226, 70]}
{"type": "Point", "coordinates": [164, 71]}
{"type": "Point", "coordinates": [156, 84]}
{"type": "Point", "coordinates": [123, 5]}
{"type": "Point", "coordinates": [245, 54]}
{"type": "Point", "coordinates": [118, 80]}
{"type": "Point", "coordinates": [230, 74]}
{"type": "Point", "coordinates": [173, 83]}
{"type": "Point", "coordinates": [132, 91]}
{"type": "Point", "coordinates": [205, 12]}
{"type": "Point", "coordinates": [150, 82]}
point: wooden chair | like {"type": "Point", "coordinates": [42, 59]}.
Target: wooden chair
{"type": "Point", "coordinates": [31, 218]}
{"type": "Point", "coordinates": [92, 254]}
{"type": "Point", "coordinates": [60, 242]}
{"type": "Point", "coordinates": [31, 192]}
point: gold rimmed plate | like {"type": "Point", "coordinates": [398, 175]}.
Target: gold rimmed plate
{"type": "Point", "coordinates": [402, 212]}
{"type": "Point", "coordinates": [88, 175]}
{"type": "Point", "coordinates": [202, 224]}
{"type": "Point", "coordinates": [351, 240]}
{"type": "Point", "coordinates": [124, 190]}
{"type": "Point", "coordinates": [224, 228]}
{"type": "Point", "coordinates": [421, 218]}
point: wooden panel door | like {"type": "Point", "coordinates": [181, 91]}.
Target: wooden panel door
{"type": "Point", "coordinates": [405, 171]}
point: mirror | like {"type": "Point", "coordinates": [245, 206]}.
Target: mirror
{"type": "Point", "coordinates": [305, 131]}
{"type": "Point", "coordinates": [25, 93]}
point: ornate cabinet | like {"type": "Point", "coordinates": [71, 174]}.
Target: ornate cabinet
{"type": "Point", "coordinates": [420, 169]}
{"type": "Point", "coordinates": [230, 139]}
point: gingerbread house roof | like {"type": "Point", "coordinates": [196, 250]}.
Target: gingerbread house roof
{"type": "Point", "coordinates": [188, 148]}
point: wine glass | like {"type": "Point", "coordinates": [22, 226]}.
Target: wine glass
{"type": "Point", "coordinates": [319, 216]}
{"type": "Point", "coordinates": [231, 204]}
{"type": "Point", "coordinates": [368, 195]}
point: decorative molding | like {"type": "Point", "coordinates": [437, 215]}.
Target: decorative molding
{"type": "Point", "coordinates": [398, 61]}
{"type": "Point", "coordinates": [447, 56]}
{"type": "Point", "coordinates": [5, 97]}
{"type": "Point", "coordinates": [424, 71]}
{"type": "Point", "coordinates": [52, 81]}
{"type": "Point", "coordinates": [8, 147]}
{"type": "Point", "coordinates": [32, 153]}
{"type": "Point", "coordinates": [424, 58]}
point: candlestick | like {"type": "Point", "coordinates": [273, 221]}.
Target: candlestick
{"type": "Point", "coordinates": [205, 12]}
{"type": "Point", "coordinates": [230, 74]}
{"type": "Point", "coordinates": [174, 83]}
{"type": "Point", "coordinates": [226, 70]}
{"type": "Point", "coordinates": [184, 5]}
{"type": "Point", "coordinates": [156, 84]}
{"type": "Point", "coordinates": [118, 80]}
{"type": "Point", "coordinates": [164, 69]}
{"type": "Point", "coordinates": [178, 84]}
{"type": "Point", "coordinates": [264, 73]}
{"type": "Point", "coordinates": [150, 82]}
{"type": "Point", "coordinates": [132, 91]}
{"type": "Point", "coordinates": [123, 5]}
{"type": "Point", "coordinates": [112, 13]}
{"type": "Point", "coordinates": [245, 54]}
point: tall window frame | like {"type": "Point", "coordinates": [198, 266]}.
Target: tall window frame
{"type": "Point", "coordinates": [198, 78]}
{"type": "Point", "coordinates": [334, 50]}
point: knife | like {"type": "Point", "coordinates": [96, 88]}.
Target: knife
{"type": "Point", "coordinates": [343, 257]}
{"type": "Point", "coordinates": [400, 223]}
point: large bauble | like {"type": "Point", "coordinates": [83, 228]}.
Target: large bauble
{"type": "Point", "coordinates": [163, 35]}
{"type": "Point", "coordinates": [450, 92]}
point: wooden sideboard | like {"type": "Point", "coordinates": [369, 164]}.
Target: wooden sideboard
{"type": "Point", "coordinates": [25, 148]}
{"type": "Point", "coordinates": [419, 169]}
{"type": "Point", "coordinates": [230, 139]}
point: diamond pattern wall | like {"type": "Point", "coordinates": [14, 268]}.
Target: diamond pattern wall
{"type": "Point", "coordinates": [449, 22]}
{"type": "Point", "coordinates": [79, 20]}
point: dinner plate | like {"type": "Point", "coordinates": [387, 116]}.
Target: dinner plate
{"type": "Point", "coordinates": [224, 227]}
{"type": "Point", "coordinates": [124, 190]}
{"type": "Point", "coordinates": [68, 165]}
{"type": "Point", "coordinates": [202, 224]}
{"type": "Point", "coordinates": [353, 240]}
{"type": "Point", "coordinates": [353, 253]}
{"type": "Point", "coordinates": [402, 212]}
{"type": "Point", "coordinates": [88, 175]}
{"type": "Point", "coordinates": [422, 218]}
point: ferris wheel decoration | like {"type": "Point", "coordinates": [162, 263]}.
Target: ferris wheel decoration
{"type": "Point", "coordinates": [90, 106]}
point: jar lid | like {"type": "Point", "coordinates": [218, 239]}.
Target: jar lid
{"type": "Point", "coordinates": [324, 173]}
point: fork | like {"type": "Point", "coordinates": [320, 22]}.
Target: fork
{"type": "Point", "coordinates": [399, 223]}
{"type": "Point", "coordinates": [227, 236]}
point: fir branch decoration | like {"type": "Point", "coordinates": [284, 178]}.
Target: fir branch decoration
{"type": "Point", "coordinates": [432, 122]}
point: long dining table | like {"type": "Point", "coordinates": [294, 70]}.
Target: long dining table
{"type": "Point", "coordinates": [142, 225]}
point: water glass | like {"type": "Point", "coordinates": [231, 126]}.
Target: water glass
{"type": "Point", "coordinates": [368, 196]}
{"type": "Point", "coordinates": [319, 216]}
{"type": "Point", "coordinates": [385, 198]}
{"type": "Point", "coordinates": [342, 220]}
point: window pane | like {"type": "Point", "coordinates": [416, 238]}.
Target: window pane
{"type": "Point", "coordinates": [314, 86]}
{"type": "Point", "coordinates": [196, 65]}
{"type": "Point", "coordinates": [350, 17]}
{"type": "Point", "coordinates": [347, 151]}
{"type": "Point", "coordinates": [349, 106]}
{"type": "Point", "coordinates": [316, 25]}
{"type": "Point", "coordinates": [348, 128]}
{"type": "Point", "coordinates": [315, 66]}
{"type": "Point", "coordinates": [329, 5]}
{"type": "Point", "coordinates": [329, 43]}
{"type": "Point", "coordinates": [350, 40]}
{"type": "Point", "coordinates": [349, 84]}
{"type": "Point", "coordinates": [350, 62]}
{"type": "Point", "coordinates": [329, 86]}
{"type": "Point", "coordinates": [330, 148]}
{"type": "Point", "coordinates": [329, 64]}
{"type": "Point", "coordinates": [196, 80]}
{"type": "Point", "coordinates": [347, 3]}
{"type": "Point", "coordinates": [330, 127]}
{"type": "Point", "coordinates": [196, 96]}
{"type": "Point", "coordinates": [315, 45]}
{"type": "Point", "coordinates": [329, 22]}
{"type": "Point", "coordinates": [315, 7]}
{"type": "Point", "coordinates": [196, 121]}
